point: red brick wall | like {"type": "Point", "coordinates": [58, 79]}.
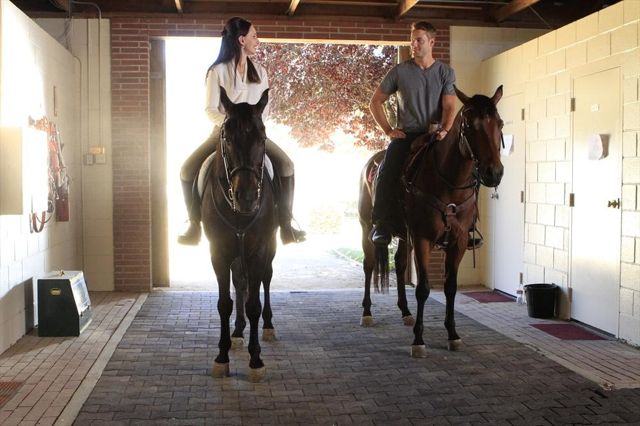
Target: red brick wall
{"type": "Point", "coordinates": [130, 114]}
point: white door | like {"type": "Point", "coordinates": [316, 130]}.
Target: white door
{"type": "Point", "coordinates": [506, 205]}
{"type": "Point", "coordinates": [596, 216]}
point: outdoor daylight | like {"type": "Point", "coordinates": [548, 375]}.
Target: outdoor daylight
{"type": "Point", "coordinates": [319, 96]}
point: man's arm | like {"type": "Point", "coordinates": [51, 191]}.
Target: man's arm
{"type": "Point", "coordinates": [448, 114]}
{"type": "Point", "coordinates": [377, 110]}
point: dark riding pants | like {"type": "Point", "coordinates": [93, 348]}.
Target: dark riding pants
{"type": "Point", "coordinates": [388, 177]}
{"type": "Point", "coordinates": [190, 168]}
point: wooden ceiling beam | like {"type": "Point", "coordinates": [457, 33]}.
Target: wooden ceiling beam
{"type": "Point", "coordinates": [292, 7]}
{"type": "Point", "coordinates": [404, 6]}
{"type": "Point", "coordinates": [512, 8]}
{"type": "Point", "coordinates": [62, 5]}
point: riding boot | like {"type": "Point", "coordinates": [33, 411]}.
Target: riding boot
{"type": "Point", "coordinates": [191, 236]}
{"type": "Point", "coordinates": [288, 233]}
{"type": "Point", "coordinates": [381, 232]}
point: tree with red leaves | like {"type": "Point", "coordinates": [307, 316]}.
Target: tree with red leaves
{"type": "Point", "coordinates": [318, 88]}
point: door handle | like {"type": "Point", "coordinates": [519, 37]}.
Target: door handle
{"type": "Point", "coordinates": [614, 203]}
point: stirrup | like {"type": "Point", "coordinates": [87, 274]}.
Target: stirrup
{"type": "Point", "coordinates": [292, 235]}
{"type": "Point", "coordinates": [191, 237]}
{"type": "Point", "coordinates": [288, 234]}
{"type": "Point", "coordinates": [474, 243]}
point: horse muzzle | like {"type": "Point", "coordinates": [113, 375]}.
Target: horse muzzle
{"type": "Point", "coordinates": [491, 176]}
{"type": "Point", "coordinates": [247, 201]}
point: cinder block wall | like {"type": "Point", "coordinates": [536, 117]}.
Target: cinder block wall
{"type": "Point", "coordinates": [31, 65]}
{"type": "Point", "coordinates": [542, 70]}
{"type": "Point", "coordinates": [130, 44]}
{"type": "Point", "coordinates": [469, 46]}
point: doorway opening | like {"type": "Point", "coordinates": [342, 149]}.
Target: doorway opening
{"type": "Point", "coordinates": [327, 171]}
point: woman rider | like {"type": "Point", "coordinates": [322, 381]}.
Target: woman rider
{"type": "Point", "coordinates": [243, 81]}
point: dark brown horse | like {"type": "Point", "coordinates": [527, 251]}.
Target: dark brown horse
{"type": "Point", "coordinates": [439, 188]}
{"type": "Point", "coordinates": [239, 219]}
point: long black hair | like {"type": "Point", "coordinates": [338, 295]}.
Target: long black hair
{"type": "Point", "coordinates": [230, 47]}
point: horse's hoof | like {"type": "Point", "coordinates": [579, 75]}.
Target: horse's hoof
{"type": "Point", "coordinates": [366, 321]}
{"type": "Point", "coordinates": [256, 374]}
{"type": "Point", "coordinates": [237, 342]}
{"type": "Point", "coordinates": [418, 351]}
{"type": "Point", "coordinates": [220, 370]}
{"type": "Point", "coordinates": [408, 320]}
{"type": "Point", "coordinates": [454, 345]}
{"type": "Point", "coordinates": [269, 334]}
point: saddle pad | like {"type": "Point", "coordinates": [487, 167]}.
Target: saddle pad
{"type": "Point", "coordinates": [206, 164]}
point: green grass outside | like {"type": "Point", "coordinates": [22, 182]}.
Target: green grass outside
{"type": "Point", "coordinates": [357, 255]}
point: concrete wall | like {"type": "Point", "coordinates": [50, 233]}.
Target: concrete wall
{"type": "Point", "coordinates": [90, 42]}
{"type": "Point", "coordinates": [543, 69]}
{"type": "Point", "coordinates": [32, 64]}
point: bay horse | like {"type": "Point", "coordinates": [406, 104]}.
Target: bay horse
{"type": "Point", "coordinates": [239, 220]}
{"type": "Point", "coordinates": [440, 185]}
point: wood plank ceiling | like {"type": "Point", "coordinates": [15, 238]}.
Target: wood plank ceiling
{"type": "Point", "coordinates": [506, 13]}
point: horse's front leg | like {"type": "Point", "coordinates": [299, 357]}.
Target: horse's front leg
{"type": "Point", "coordinates": [367, 266]}
{"type": "Point", "coordinates": [401, 269]}
{"type": "Point", "coordinates": [225, 307]}
{"type": "Point", "coordinates": [240, 284]}
{"type": "Point", "coordinates": [452, 262]}
{"type": "Point", "coordinates": [254, 309]}
{"type": "Point", "coordinates": [422, 249]}
{"type": "Point", "coordinates": [268, 331]}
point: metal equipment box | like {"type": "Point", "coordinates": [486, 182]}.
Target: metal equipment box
{"type": "Point", "coordinates": [64, 308]}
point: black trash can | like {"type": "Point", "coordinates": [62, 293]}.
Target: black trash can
{"type": "Point", "coordinates": [541, 300]}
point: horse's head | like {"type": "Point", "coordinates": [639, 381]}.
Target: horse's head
{"type": "Point", "coordinates": [242, 145]}
{"type": "Point", "coordinates": [481, 134]}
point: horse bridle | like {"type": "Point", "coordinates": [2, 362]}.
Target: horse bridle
{"type": "Point", "coordinates": [464, 144]}
{"type": "Point", "coordinates": [228, 194]}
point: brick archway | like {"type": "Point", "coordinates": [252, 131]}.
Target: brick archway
{"type": "Point", "coordinates": [131, 115]}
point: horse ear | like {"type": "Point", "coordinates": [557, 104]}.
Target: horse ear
{"type": "Point", "coordinates": [497, 96]}
{"type": "Point", "coordinates": [225, 101]}
{"type": "Point", "coordinates": [463, 98]}
{"type": "Point", "coordinates": [262, 103]}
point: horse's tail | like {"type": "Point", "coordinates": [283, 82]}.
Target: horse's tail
{"type": "Point", "coordinates": [381, 269]}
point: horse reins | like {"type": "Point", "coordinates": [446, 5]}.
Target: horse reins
{"type": "Point", "coordinates": [228, 194]}
{"type": "Point", "coordinates": [463, 145]}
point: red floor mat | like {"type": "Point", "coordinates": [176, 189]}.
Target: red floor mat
{"type": "Point", "coordinates": [488, 296]}
{"type": "Point", "coordinates": [567, 331]}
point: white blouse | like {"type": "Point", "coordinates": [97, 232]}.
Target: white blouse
{"type": "Point", "coordinates": [237, 87]}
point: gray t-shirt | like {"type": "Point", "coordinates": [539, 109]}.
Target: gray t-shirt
{"type": "Point", "coordinates": [419, 93]}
